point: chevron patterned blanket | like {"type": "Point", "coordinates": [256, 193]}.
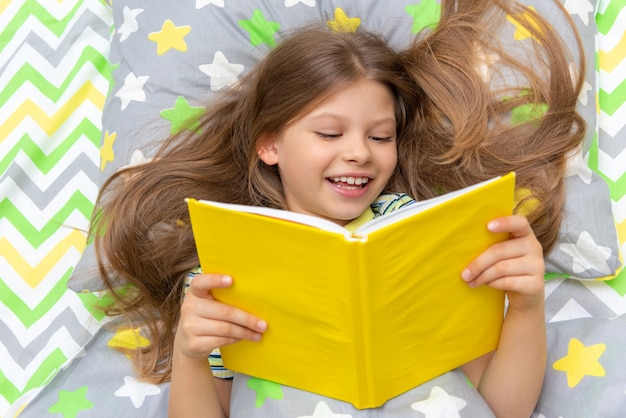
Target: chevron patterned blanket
{"type": "Point", "coordinates": [61, 101]}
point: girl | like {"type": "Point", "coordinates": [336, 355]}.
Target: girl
{"type": "Point", "coordinates": [324, 125]}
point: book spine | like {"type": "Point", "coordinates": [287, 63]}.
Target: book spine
{"type": "Point", "coordinates": [363, 355]}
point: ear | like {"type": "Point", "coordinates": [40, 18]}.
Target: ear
{"type": "Point", "coordinates": [267, 151]}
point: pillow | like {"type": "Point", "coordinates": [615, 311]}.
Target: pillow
{"type": "Point", "coordinates": [584, 370]}
{"type": "Point", "coordinates": [169, 57]}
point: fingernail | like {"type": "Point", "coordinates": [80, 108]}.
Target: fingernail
{"type": "Point", "coordinates": [493, 225]}
{"type": "Point", "coordinates": [256, 337]}
{"type": "Point", "coordinates": [261, 325]}
{"type": "Point", "coordinates": [466, 275]}
{"type": "Point", "coordinates": [227, 279]}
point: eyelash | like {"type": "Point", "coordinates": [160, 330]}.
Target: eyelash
{"type": "Point", "coordinates": [323, 135]}
{"type": "Point", "coordinates": [375, 138]}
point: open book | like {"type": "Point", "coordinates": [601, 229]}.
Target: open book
{"type": "Point", "coordinates": [362, 316]}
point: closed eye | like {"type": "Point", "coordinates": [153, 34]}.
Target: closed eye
{"type": "Point", "coordinates": [381, 139]}
{"type": "Point", "coordinates": [325, 135]}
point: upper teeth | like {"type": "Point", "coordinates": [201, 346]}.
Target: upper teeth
{"type": "Point", "coordinates": [351, 180]}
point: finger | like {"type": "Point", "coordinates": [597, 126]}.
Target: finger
{"type": "Point", "coordinates": [205, 307]}
{"type": "Point", "coordinates": [522, 244]}
{"type": "Point", "coordinates": [506, 250]}
{"type": "Point", "coordinates": [202, 284]}
{"type": "Point", "coordinates": [197, 336]}
{"type": "Point", "coordinates": [507, 273]}
{"type": "Point", "coordinates": [526, 285]}
{"type": "Point", "coordinates": [516, 225]}
{"type": "Point", "coordinates": [218, 332]}
{"type": "Point", "coordinates": [230, 314]}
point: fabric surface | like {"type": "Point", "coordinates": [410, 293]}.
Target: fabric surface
{"type": "Point", "coordinates": [54, 77]}
{"type": "Point", "coordinates": [54, 81]}
{"type": "Point", "coordinates": [170, 58]}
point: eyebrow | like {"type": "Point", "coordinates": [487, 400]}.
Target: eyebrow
{"type": "Point", "coordinates": [338, 117]}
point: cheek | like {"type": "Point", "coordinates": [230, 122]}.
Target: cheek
{"type": "Point", "coordinates": [391, 160]}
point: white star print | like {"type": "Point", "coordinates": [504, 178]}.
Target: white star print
{"type": "Point", "coordinates": [581, 8]}
{"type": "Point", "coordinates": [577, 166]}
{"type": "Point", "coordinates": [322, 410]}
{"type": "Point", "coordinates": [201, 3]}
{"type": "Point", "coordinates": [132, 89]}
{"type": "Point", "coordinates": [440, 404]}
{"type": "Point", "coordinates": [137, 391]}
{"type": "Point", "coordinates": [586, 87]}
{"type": "Point", "coordinates": [587, 254]}
{"type": "Point", "coordinates": [289, 3]}
{"type": "Point", "coordinates": [136, 158]}
{"type": "Point", "coordinates": [222, 72]}
{"type": "Point", "coordinates": [485, 61]}
{"type": "Point", "coordinates": [582, 97]}
{"type": "Point", "coordinates": [130, 23]}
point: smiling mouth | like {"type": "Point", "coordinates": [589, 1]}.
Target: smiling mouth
{"type": "Point", "coordinates": [350, 182]}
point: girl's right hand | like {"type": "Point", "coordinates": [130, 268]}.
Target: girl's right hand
{"type": "Point", "coordinates": [206, 324]}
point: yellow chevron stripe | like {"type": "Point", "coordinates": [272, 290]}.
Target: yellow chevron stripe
{"type": "Point", "coordinates": [88, 92]}
{"type": "Point", "coordinates": [34, 275]}
{"type": "Point", "coordinates": [4, 4]}
{"type": "Point", "coordinates": [621, 231]}
{"type": "Point", "coordinates": [611, 59]}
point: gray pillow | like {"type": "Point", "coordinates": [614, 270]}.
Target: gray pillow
{"type": "Point", "coordinates": [169, 57]}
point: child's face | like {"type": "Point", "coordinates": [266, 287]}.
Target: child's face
{"type": "Point", "coordinates": [335, 160]}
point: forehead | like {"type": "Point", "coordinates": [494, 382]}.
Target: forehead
{"type": "Point", "coordinates": [364, 95]}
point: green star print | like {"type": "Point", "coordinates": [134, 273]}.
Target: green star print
{"type": "Point", "coordinates": [425, 14]}
{"type": "Point", "coordinates": [528, 113]}
{"type": "Point", "coordinates": [265, 389]}
{"type": "Point", "coordinates": [183, 116]}
{"type": "Point", "coordinates": [71, 403]}
{"type": "Point", "coordinates": [260, 30]}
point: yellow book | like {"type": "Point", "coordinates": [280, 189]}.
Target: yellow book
{"type": "Point", "coordinates": [364, 316]}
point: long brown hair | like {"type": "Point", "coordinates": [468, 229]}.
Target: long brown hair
{"type": "Point", "coordinates": [147, 239]}
{"type": "Point", "coordinates": [466, 132]}
{"type": "Point", "coordinates": [454, 129]}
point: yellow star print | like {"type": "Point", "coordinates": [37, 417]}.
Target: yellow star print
{"type": "Point", "coordinates": [170, 37]}
{"type": "Point", "coordinates": [129, 338]}
{"type": "Point", "coordinates": [343, 23]}
{"type": "Point", "coordinates": [520, 31]}
{"type": "Point", "coordinates": [581, 361]}
{"type": "Point", "coordinates": [106, 150]}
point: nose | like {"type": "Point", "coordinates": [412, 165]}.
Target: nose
{"type": "Point", "coordinates": [358, 149]}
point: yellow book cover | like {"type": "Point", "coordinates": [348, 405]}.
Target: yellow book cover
{"type": "Point", "coordinates": [364, 316]}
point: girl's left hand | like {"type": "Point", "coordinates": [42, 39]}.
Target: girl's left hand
{"type": "Point", "coordinates": [515, 265]}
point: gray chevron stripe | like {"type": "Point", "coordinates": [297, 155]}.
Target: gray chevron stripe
{"type": "Point", "coordinates": [569, 290]}
{"type": "Point", "coordinates": [87, 20]}
{"type": "Point", "coordinates": [41, 198]}
{"type": "Point", "coordinates": [613, 145]}
{"type": "Point", "coordinates": [66, 319]}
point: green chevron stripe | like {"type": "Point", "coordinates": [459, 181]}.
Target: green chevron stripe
{"type": "Point", "coordinates": [36, 237]}
{"type": "Point", "coordinates": [34, 8]}
{"type": "Point", "coordinates": [43, 374]}
{"type": "Point", "coordinates": [606, 20]}
{"type": "Point", "coordinates": [9, 391]}
{"type": "Point", "coordinates": [26, 315]}
{"type": "Point", "coordinates": [28, 73]}
{"type": "Point", "coordinates": [617, 188]}
{"type": "Point", "coordinates": [610, 102]}
{"type": "Point", "coordinates": [46, 162]}
{"type": "Point", "coordinates": [619, 283]}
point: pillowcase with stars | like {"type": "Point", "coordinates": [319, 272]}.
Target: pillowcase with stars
{"type": "Point", "coordinates": [169, 57]}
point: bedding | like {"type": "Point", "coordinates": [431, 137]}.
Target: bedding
{"type": "Point", "coordinates": [85, 86]}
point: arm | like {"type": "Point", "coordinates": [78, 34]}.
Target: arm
{"type": "Point", "coordinates": [510, 378]}
{"type": "Point", "coordinates": [205, 324]}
